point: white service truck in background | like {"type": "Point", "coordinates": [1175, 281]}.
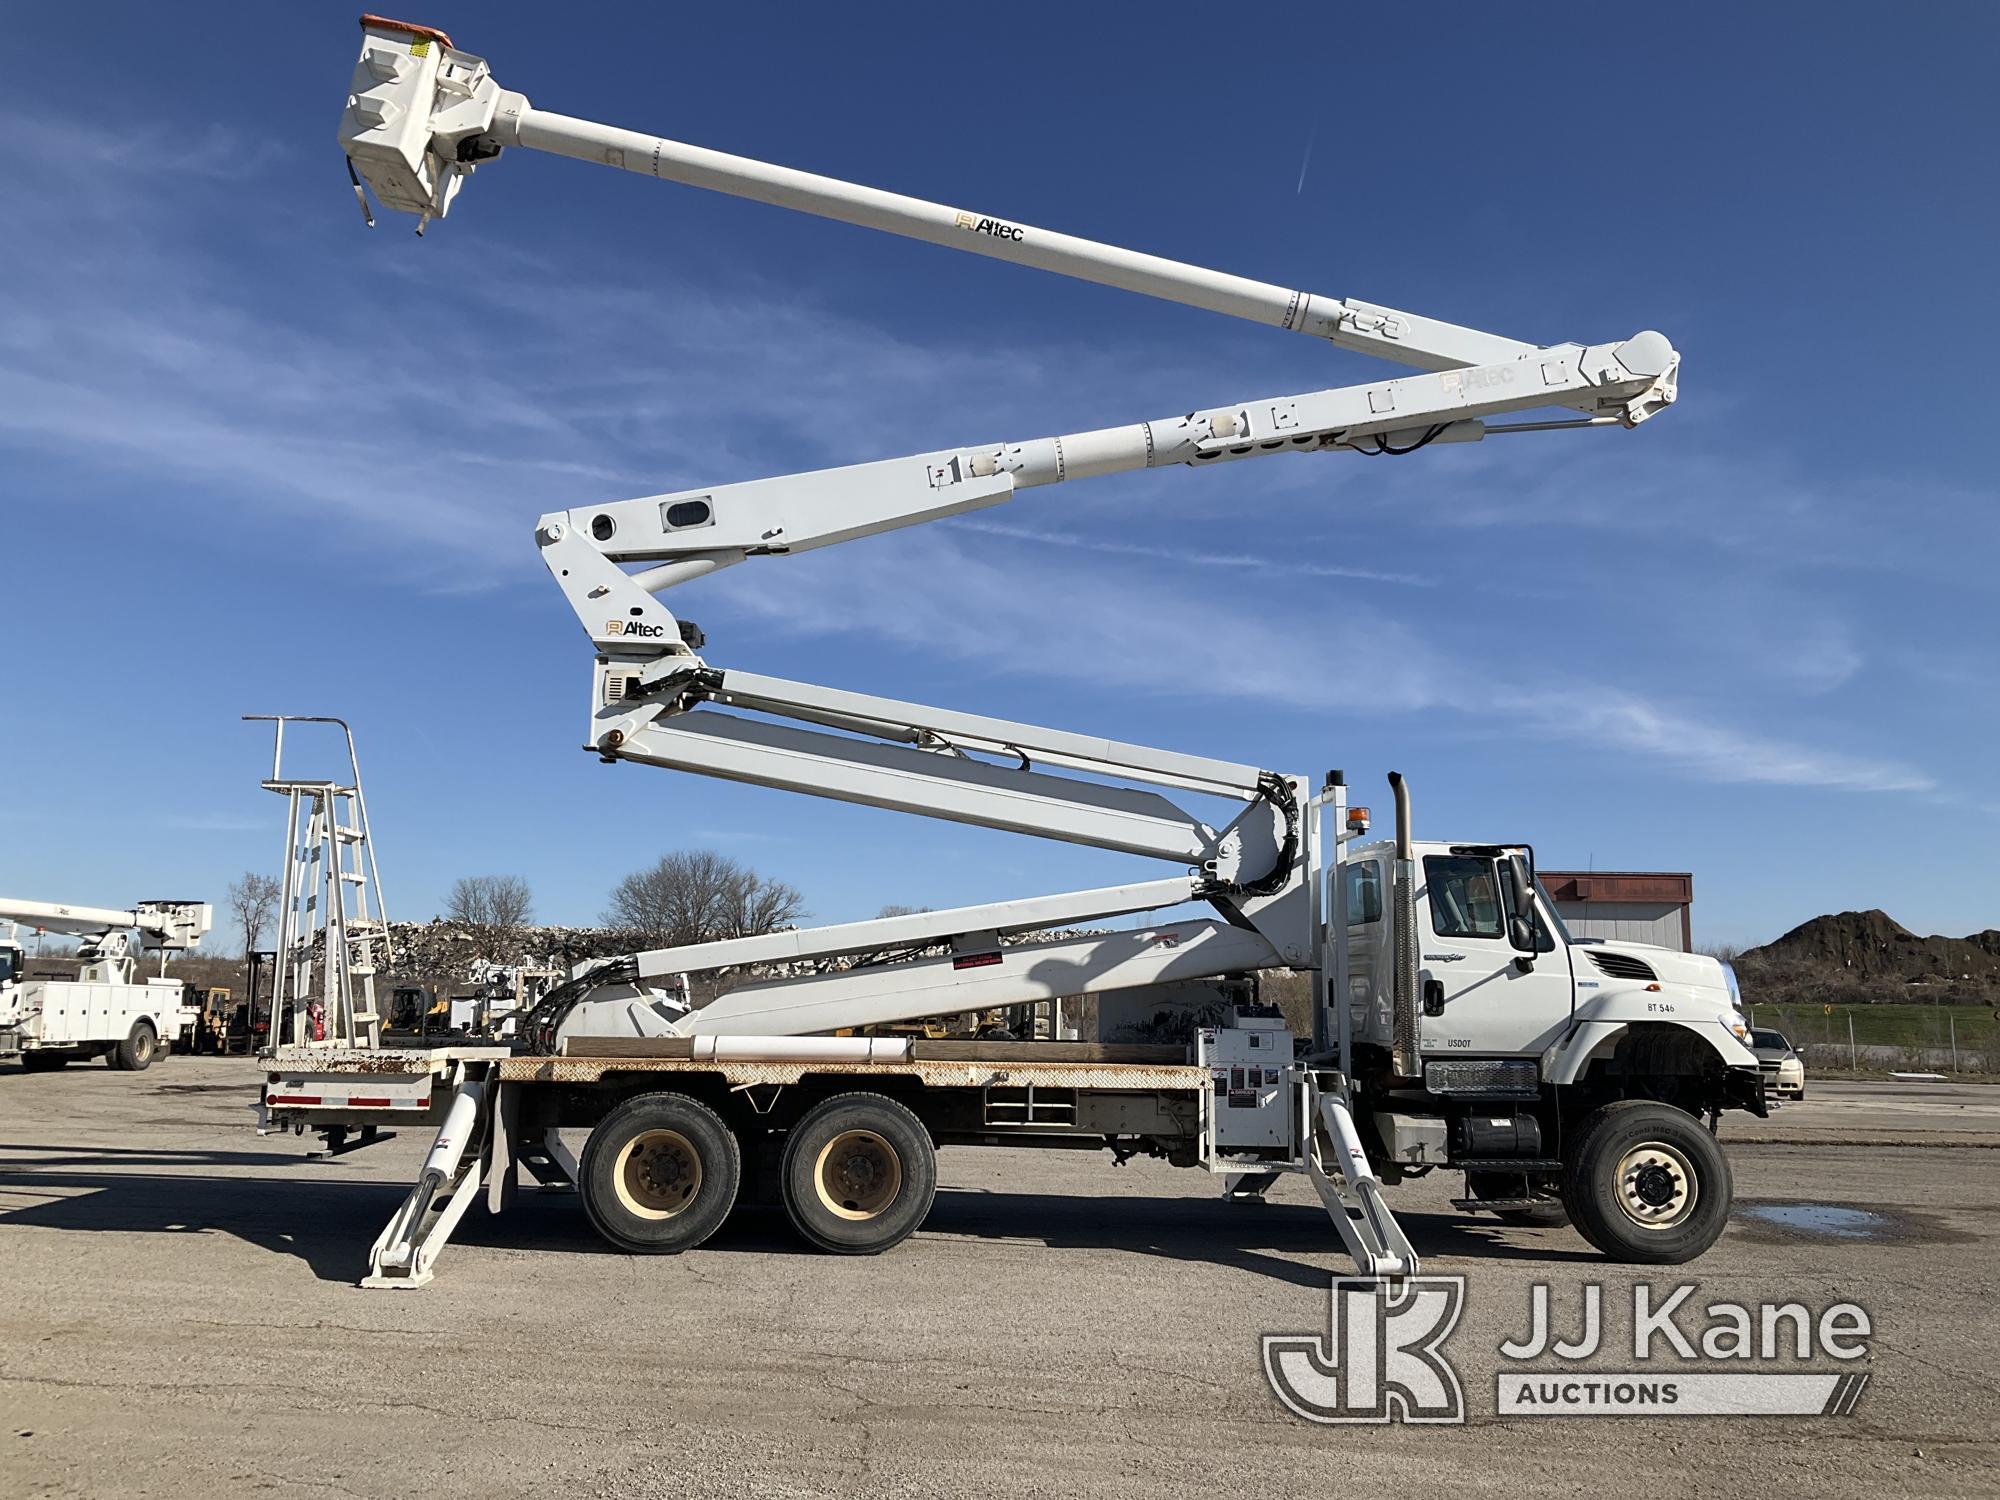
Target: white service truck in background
{"type": "Point", "coordinates": [107, 1010]}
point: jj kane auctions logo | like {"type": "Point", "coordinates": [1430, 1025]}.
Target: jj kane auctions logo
{"type": "Point", "coordinates": [1382, 1359]}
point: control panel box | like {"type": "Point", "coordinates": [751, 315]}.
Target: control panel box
{"type": "Point", "coordinates": [1250, 1068]}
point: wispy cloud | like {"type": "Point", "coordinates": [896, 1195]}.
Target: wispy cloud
{"type": "Point", "coordinates": [384, 398]}
{"type": "Point", "coordinates": [208, 150]}
{"type": "Point", "coordinates": [1191, 556]}
{"type": "Point", "coordinates": [928, 591]}
{"type": "Point", "coordinates": [1701, 484]}
{"type": "Point", "coordinates": [1619, 720]}
{"type": "Point", "coordinates": [214, 823]}
{"type": "Point", "coordinates": [387, 396]}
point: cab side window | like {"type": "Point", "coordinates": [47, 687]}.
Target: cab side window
{"type": "Point", "coordinates": [1465, 896]}
{"type": "Point", "coordinates": [1364, 893]}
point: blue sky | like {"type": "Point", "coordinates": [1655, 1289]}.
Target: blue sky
{"type": "Point", "coordinates": [256, 458]}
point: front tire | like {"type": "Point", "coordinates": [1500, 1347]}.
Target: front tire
{"type": "Point", "coordinates": [136, 1053]}
{"type": "Point", "coordinates": [43, 1062]}
{"type": "Point", "coordinates": [660, 1174]}
{"type": "Point", "coordinates": [859, 1174]}
{"type": "Point", "coordinates": [1647, 1184]}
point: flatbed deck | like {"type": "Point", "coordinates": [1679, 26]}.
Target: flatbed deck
{"type": "Point", "coordinates": [1150, 1077]}
{"type": "Point", "coordinates": [934, 1064]}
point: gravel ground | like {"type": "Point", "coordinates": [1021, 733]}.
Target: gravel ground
{"type": "Point", "coordinates": [183, 1322]}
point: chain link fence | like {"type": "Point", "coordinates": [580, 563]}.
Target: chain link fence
{"type": "Point", "coordinates": [1915, 1038]}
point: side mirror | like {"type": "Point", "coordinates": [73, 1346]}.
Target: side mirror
{"type": "Point", "coordinates": [1521, 933]}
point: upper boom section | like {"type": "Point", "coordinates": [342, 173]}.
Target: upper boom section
{"type": "Point", "coordinates": [161, 924]}
{"type": "Point", "coordinates": [421, 115]}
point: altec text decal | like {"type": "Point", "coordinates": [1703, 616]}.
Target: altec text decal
{"type": "Point", "coordinates": [998, 229]}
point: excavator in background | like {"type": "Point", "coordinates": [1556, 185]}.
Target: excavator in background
{"type": "Point", "coordinates": [107, 1011]}
{"type": "Point", "coordinates": [1454, 1026]}
{"type": "Point", "coordinates": [416, 1010]}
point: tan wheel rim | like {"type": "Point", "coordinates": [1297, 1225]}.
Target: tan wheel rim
{"type": "Point", "coordinates": [858, 1174]}
{"type": "Point", "coordinates": [1656, 1186]}
{"type": "Point", "coordinates": [659, 1174]}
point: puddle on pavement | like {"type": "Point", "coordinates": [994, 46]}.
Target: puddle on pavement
{"type": "Point", "coordinates": [1820, 1218]}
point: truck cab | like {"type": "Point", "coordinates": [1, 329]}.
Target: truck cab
{"type": "Point", "coordinates": [1499, 978]}
{"type": "Point", "coordinates": [1487, 1039]}
{"type": "Point", "coordinates": [12, 965]}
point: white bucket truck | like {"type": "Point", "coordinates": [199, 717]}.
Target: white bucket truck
{"type": "Point", "coordinates": [107, 1011]}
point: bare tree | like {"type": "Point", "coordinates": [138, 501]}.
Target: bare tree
{"type": "Point", "coordinates": [490, 901]}
{"type": "Point", "coordinates": [894, 910]}
{"type": "Point", "coordinates": [253, 901]}
{"type": "Point", "coordinates": [755, 904]}
{"type": "Point", "coordinates": [699, 895]}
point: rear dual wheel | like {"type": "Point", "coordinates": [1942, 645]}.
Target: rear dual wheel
{"type": "Point", "coordinates": [660, 1174]}
{"type": "Point", "coordinates": [859, 1174]}
{"type": "Point", "coordinates": [136, 1053]}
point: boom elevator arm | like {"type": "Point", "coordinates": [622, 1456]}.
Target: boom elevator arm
{"type": "Point", "coordinates": [165, 925]}
{"type": "Point", "coordinates": [691, 533]}
{"type": "Point", "coordinates": [421, 116]}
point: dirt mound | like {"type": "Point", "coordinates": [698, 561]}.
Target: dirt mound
{"type": "Point", "coordinates": [1862, 956]}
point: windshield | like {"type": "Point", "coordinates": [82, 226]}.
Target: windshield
{"type": "Point", "coordinates": [1769, 1039]}
{"type": "Point", "coordinates": [10, 964]}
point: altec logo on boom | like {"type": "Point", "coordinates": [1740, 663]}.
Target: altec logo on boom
{"type": "Point", "coordinates": [994, 227]}
{"type": "Point", "coordinates": [633, 627]}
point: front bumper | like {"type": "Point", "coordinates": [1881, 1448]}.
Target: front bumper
{"type": "Point", "coordinates": [1743, 1088]}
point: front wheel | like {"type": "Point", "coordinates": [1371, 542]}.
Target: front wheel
{"type": "Point", "coordinates": [1646, 1183]}
{"type": "Point", "coordinates": [43, 1062]}
{"type": "Point", "coordinates": [659, 1174]}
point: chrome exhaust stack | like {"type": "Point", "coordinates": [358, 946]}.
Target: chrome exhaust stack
{"type": "Point", "coordinates": [1403, 976]}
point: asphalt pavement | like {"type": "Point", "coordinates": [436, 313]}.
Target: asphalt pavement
{"type": "Point", "coordinates": [182, 1320]}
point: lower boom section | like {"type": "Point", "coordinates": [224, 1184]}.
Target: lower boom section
{"type": "Point", "coordinates": [979, 976]}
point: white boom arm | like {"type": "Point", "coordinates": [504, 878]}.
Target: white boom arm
{"type": "Point", "coordinates": [420, 116]}
{"type": "Point", "coordinates": [164, 925]}
{"type": "Point", "coordinates": [694, 532]}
